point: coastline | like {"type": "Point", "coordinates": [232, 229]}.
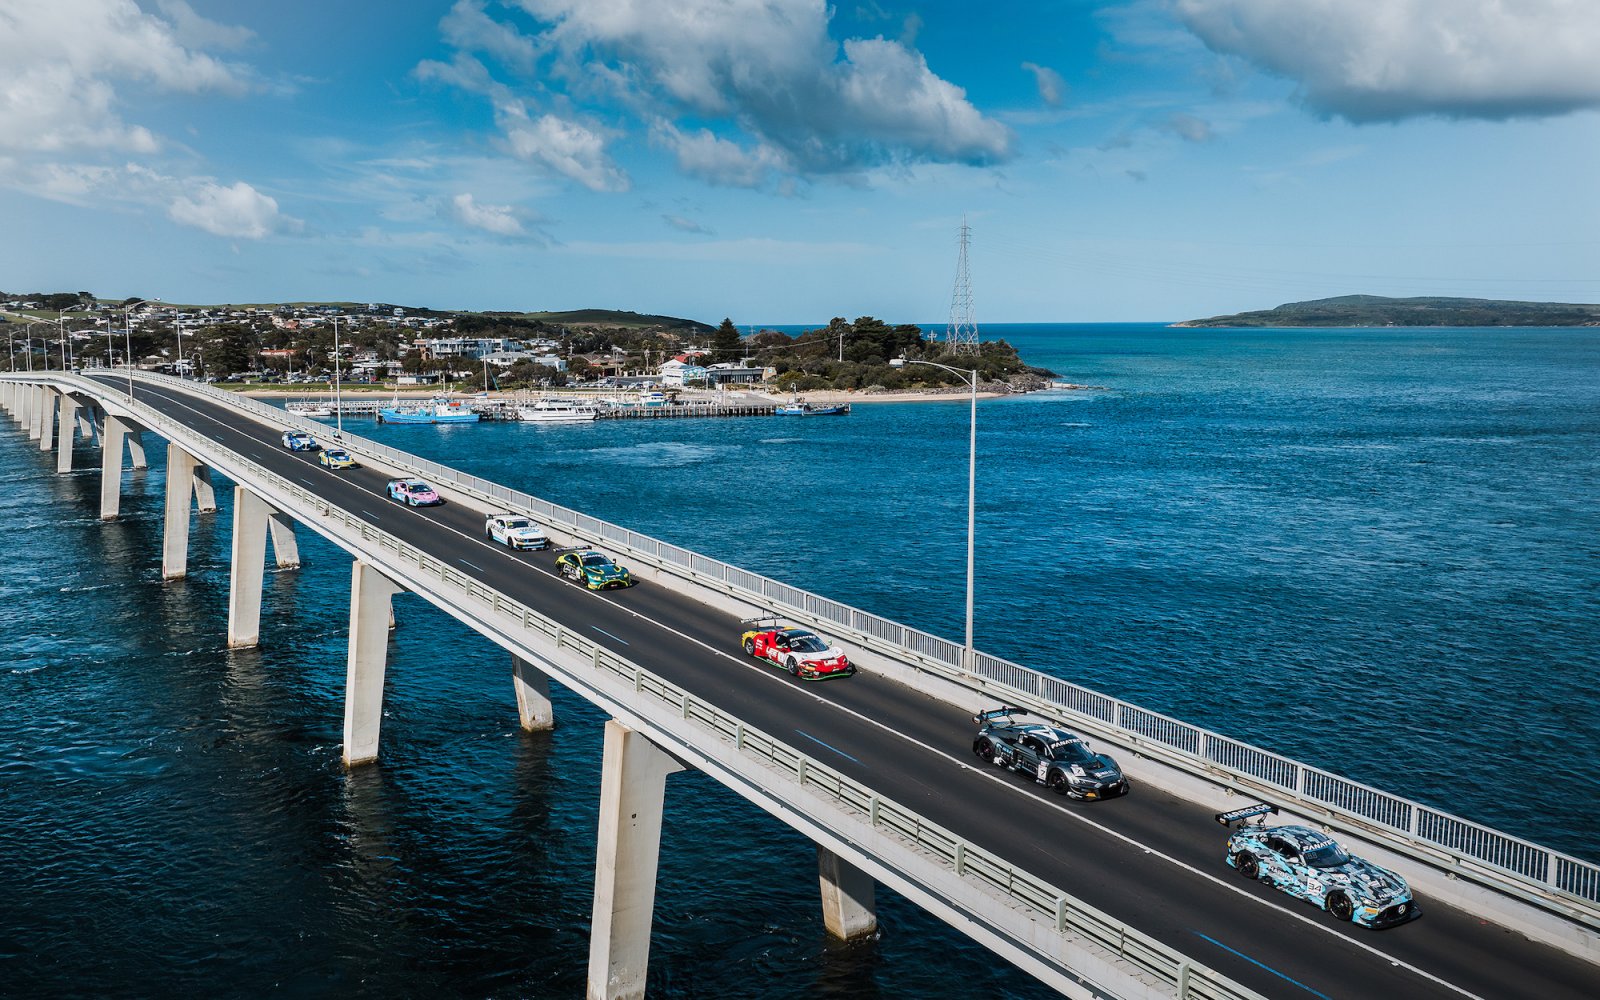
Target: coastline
{"type": "Point", "coordinates": [820, 396]}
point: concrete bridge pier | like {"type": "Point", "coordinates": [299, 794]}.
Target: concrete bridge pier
{"type": "Point", "coordinates": [848, 909]}
{"type": "Point", "coordinates": [111, 445]}
{"type": "Point", "coordinates": [371, 599]}
{"type": "Point", "coordinates": [284, 548]}
{"type": "Point", "coordinates": [47, 419]}
{"type": "Point", "coordinates": [253, 517]}
{"type": "Point", "coordinates": [136, 446]}
{"type": "Point", "coordinates": [533, 695]}
{"type": "Point", "coordinates": [68, 427]}
{"type": "Point", "coordinates": [632, 789]}
{"type": "Point", "coordinates": [187, 478]}
{"type": "Point", "coordinates": [37, 407]}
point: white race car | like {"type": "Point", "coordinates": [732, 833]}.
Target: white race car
{"type": "Point", "coordinates": [515, 531]}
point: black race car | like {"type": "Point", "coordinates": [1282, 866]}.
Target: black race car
{"type": "Point", "coordinates": [1053, 757]}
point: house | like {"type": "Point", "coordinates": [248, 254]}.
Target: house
{"type": "Point", "coordinates": [728, 373]}
{"type": "Point", "coordinates": [680, 372]}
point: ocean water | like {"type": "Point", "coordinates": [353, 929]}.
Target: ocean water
{"type": "Point", "coordinates": [1374, 550]}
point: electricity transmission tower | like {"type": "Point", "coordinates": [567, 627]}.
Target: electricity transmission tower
{"type": "Point", "coordinates": [961, 336]}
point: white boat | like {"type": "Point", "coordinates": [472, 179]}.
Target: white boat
{"type": "Point", "coordinates": [556, 411]}
{"type": "Point", "coordinates": [316, 411]}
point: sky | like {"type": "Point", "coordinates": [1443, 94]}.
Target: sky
{"type": "Point", "coordinates": [788, 161]}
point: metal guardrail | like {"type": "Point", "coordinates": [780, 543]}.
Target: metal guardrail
{"type": "Point", "coordinates": [1516, 862]}
{"type": "Point", "coordinates": [1043, 903]}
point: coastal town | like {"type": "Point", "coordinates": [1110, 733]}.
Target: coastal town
{"type": "Point", "coordinates": [380, 347]}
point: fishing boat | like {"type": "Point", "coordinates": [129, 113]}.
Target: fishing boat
{"type": "Point", "coordinates": [654, 397]}
{"type": "Point", "coordinates": [433, 411]}
{"type": "Point", "coordinates": [556, 411]}
{"type": "Point", "coordinates": [314, 410]}
{"type": "Point", "coordinates": [812, 410]}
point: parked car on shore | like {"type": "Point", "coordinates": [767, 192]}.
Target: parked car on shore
{"type": "Point", "coordinates": [1058, 759]}
{"type": "Point", "coordinates": [515, 531]}
{"type": "Point", "coordinates": [1310, 865]}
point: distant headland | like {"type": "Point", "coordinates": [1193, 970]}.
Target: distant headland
{"type": "Point", "coordinates": [1378, 310]}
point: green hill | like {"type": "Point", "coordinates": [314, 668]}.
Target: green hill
{"type": "Point", "coordinates": [1377, 310]}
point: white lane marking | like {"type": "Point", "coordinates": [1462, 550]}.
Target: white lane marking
{"type": "Point", "coordinates": [308, 482]}
{"type": "Point", "coordinates": [608, 635]}
{"type": "Point", "coordinates": [988, 774]}
{"type": "Point", "coordinates": [463, 562]}
{"type": "Point", "coordinates": [371, 515]}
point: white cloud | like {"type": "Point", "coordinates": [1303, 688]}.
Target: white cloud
{"type": "Point", "coordinates": [565, 147]}
{"type": "Point", "coordinates": [1385, 60]}
{"type": "Point", "coordinates": [1052, 89]}
{"type": "Point", "coordinates": [236, 211]}
{"type": "Point", "coordinates": [758, 75]}
{"type": "Point", "coordinates": [683, 225]}
{"type": "Point", "coordinates": [1188, 127]}
{"type": "Point", "coordinates": [66, 59]}
{"type": "Point", "coordinates": [501, 220]}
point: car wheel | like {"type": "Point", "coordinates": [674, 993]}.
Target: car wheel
{"type": "Point", "coordinates": [793, 665]}
{"type": "Point", "coordinates": [749, 647]}
{"type": "Point", "coordinates": [984, 749]}
{"type": "Point", "coordinates": [1058, 782]}
{"type": "Point", "coordinates": [1340, 906]}
{"type": "Point", "coordinates": [1247, 864]}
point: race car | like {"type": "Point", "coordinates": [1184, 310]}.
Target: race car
{"type": "Point", "coordinates": [1055, 758]}
{"type": "Point", "coordinates": [299, 441]}
{"type": "Point", "coordinates": [336, 458]}
{"type": "Point", "coordinates": [802, 652]}
{"type": "Point", "coordinates": [414, 492]}
{"type": "Point", "coordinates": [1308, 864]}
{"type": "Point", "coordinates": [593, 570]}
{"type": "Point", "coordinates": [515, 531]}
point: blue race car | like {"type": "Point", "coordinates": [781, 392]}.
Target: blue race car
{"type": "Point", "coordinates": [1310, 865]}
{"type": "Point", "coordinates": [299, 441]}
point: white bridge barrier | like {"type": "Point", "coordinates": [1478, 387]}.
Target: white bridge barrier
{"type": "Point", "coordinates": [1151, 967]}
{"type": "Point", "coordinates": [1549, 879]}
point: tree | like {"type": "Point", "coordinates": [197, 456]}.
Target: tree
{"type": "Point", "coordinates": [725, 344]}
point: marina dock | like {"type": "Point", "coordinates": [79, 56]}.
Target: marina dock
{"type": "Point", "coordinates": [505, 409]}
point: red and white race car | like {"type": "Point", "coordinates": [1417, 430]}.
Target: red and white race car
{"type": "Point", "coordinates": [802, 652]}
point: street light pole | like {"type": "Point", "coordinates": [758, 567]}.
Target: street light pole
{"type": "Point", "coordinates": [127, 332]}
{"type": "Point", "coordinates": [971, 378]}
{"type": "Point", "coordinates": [177, 326]}
{"type": "Point", "coordinates": [338, 397]}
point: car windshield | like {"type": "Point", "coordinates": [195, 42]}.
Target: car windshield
{"type": "Point", "coordinates": [1073, 751]}
{"type": "Point", "coordinates": [518, 522]}
{"type": "Point", "coordinates": [805, 642]}
{"type": "Point", "coordinates": [337, 454]}
{"type": "Point", "coordinates": [595, 559]}
{"type": "Point", "coordinates": [1328, 855]}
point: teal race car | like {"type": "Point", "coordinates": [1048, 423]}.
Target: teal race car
{"type": "Point", "coordinates": [593, 569]}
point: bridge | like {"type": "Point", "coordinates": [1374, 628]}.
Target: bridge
{"type": "Point", "coordinates": [1127, 899]}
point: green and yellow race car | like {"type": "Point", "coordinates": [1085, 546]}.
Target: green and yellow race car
{"type": "Point", "coordinates": [593, 569]}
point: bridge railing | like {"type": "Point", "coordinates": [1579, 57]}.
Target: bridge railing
{"type": "Point", "coordinates": [1500, 858]}
{"type": "Point", "coordinates": [1043, 903]}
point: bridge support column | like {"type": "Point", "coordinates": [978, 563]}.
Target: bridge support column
{"type": "Point", "coordinates": [68, 425]}
{"type": "Point", "coordinates": [47, 419]}
{"type": "Point", "coordinates": [632, 787]}
{"type": "Point", "coordinates": [283, 543]}
{"type": "Point", "coordinates": [136, 446]}
{"type": "Point", "coordinates": [371, 598]}
{"type": "Point", "coordinates": [111, 467]}
{"type": "Point", "coordinates": [848, 909]}
{"type": "Point", "coordinates": [184, 479]}
{"type": "Point", "coordinates": [35, 409]}
{"type": "Point", "coordinates": [249, 563]}
{"type": "Point", "coordinates": [533, 695]}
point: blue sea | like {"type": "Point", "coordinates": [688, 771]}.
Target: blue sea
{"type": "Point", "coordinates": [1375, 550]}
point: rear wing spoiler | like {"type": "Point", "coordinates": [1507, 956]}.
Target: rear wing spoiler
{"type": "Point", "coordinates": [762, 620]}
{"type": "Point", "coordinates": [1233, 816]}
{"type": "Point", "coordinates": [997, 713]}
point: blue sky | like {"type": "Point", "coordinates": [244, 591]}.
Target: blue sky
{"type": "Point", "coordinates": [785, 161]}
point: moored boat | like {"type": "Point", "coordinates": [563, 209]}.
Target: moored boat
{"type": "Point", "coordinates": [812, 410]}
{"type": "Point", "coordinates": [434, 411]}
{"type": "Point", "coordinates": [556, 411]}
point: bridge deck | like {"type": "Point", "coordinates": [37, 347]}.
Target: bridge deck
{"type": "Point", "coordinates": [1150, 859]}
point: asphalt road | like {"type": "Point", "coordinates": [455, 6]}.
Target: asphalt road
{"type": "Point", "coordinates": [1150, 859]}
